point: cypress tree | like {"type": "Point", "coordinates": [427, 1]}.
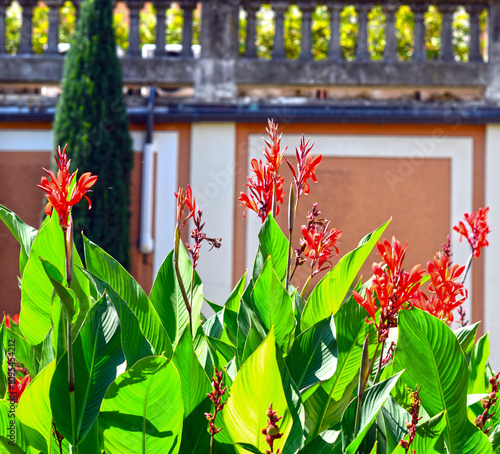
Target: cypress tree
{"type": "Point", "coordinates": [92, 119]}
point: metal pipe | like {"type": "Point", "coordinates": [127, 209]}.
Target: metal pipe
{"type": "Point", "coordinates": [146, 240]}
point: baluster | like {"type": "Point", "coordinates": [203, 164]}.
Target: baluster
{"type": "Point", "coordinates": [362, 53]}
{"type": "Point", "coordinates": [161, 7]}
{"type": "Point", "coordinates": [250, 45]}
{"type": "Point", "coordinates": [53, 33]}
{"type": "Point", "coordinates": [279, 52]}
{"type": "Point", "coordinates": [334, 51]}
{"type": "Point", "coordinates": [475, 32]}
{"type": "Point", "coordinates": [307, 9]}
{"type": "Point", "coordinates": [419, 50]}
{"type": "Point", "coordinates": [447, 33]}
{"type": "Point", "coordinates": [3, 7]}
{"type": "Point", "coordinates": [188, 7]}
{"type": "Point", "coordinates": [391, 46]}
{"type": "Point", "coordinates": [134, 40]}
{"type": "Point", "coordinates": [26, 44]}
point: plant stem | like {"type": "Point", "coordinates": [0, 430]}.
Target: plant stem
{"type": "Point", "coordinates": [381, 357]}
{"type": "Point", "coordinates": [211, 442]}
{"type": "Point", "coordinates": [178, 275]}
{"type": "Point", "coordinates": [292, 209]}
{"type": "Point", "coordinates": [467, 267]}
{"type": "Point", "coordinates": [303, 292]}
{"type": "Point", "coordinates": [68, 249]}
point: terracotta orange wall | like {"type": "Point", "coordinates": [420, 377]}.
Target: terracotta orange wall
{"type": "Point", "coordinates": [355, 195]}
{"type": "Point", "coordinates": [21, 172]}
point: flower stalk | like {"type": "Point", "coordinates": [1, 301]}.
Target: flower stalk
{"type": "Point", "coordinates": [63, 191]}
{"type": "Point", "coordinates": [272, 431]}
{"type": "Point", "coordinates": [215, 396]}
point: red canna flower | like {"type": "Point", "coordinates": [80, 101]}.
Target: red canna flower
{"type": "Point", "coordinates": [274, 154]}
{"type": "Point", "coordinates": [261, 188]}
{"type": "Point", "coordinates": [63, 191]}
{"type": "Point", "coordinates": [306, 166]}
{"type": "Point", "coordinates": [17, 388]}
{"type": "Point", "coordinates": [447, 292]}
{"type": "Point", "coordinates": [476, 230]}
{"type": "Point", "coordinates": [185, 201]}
{"type": "Point", "coordinates": [318, 244]}
{"type": "Point", "coordinates": [9, 320]}
{"type": "Point", "coordinates": [391, 288]}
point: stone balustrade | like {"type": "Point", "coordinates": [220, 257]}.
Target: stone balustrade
{"type": "Point", "coordinates": [229, 59]}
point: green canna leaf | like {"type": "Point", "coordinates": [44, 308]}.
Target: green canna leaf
{"type": "Point", "coordinates": [23, 233]}
{"type": "Point", "coordinates": [327, 403]}
{"type": "Point", "coordinates": [477, 382]}
{"type": "Point", "coordinates": [373, 400]}
{"type": "Point", "coordinates": [273, 306]}
{"type": "Point", "coordinates": [143, 409]}
{"type": "Point", "coordinates": [250, 334]}
{"type": "Point", "coordinates": [313, 357]}
{"type": "Point", "coordinates": [34, 410]}
{"type": "Point", "coordinates": [466, 336]}
{"type": "Point", "coordinates": [195, 386]}
{"type": "Point", "coordinates": [134, 343]}
{"type": "Point", "coordinates": [110, 271]}
{"type": "Point", "coordinates": [166, 295]}
{"type": "Point", "coordinates": [441, 371]}
{"type": "Point", "coordinates": [37, 289]}
{"type": "Point", "coordinates": [257, 385]}
{"type": "Point", "coordinates": [98, 359]}
{"type": "Point", "coordinates": [272, 242]}
{"type": "Point", "coordinates": [328, 295]}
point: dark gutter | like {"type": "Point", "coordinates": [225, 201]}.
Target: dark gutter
{"type": "Point", "coordinates": [284, 114]}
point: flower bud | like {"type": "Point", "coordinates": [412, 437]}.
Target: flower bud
{"type": "Point", "coordinates": [273, 430]}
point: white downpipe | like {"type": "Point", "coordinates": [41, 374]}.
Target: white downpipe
{"type": "Point", "coordinates": [146, 240]}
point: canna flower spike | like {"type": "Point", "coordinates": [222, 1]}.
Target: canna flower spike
{"type": "Point", "coordinates": [475, 230]}
{"type": "Point", "coordinates": [272, 431]}
{"type": "Point", "coordinates": [63, 191]}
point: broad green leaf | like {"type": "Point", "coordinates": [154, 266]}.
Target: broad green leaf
{"type": "Point", "coordinates": [314, 354]}
{"type": "Point", "coordinates": [195, 386]}
{"type": "Point", "coordinates": [323, 443]}
{"type": "Point", "coordinates": [34, 410]}
{"type": "Point", "coordinates": [3, 358]}
{"type": "Point", "coordinates": [326, 405]}
{"type": "Point", "coordinates": [225, 352]}
{"type": "Point", "coordinates": [214, 326]}
{"type": "Point", "coordinates": [23, 233]}
{"type": "Point", "coordinates": [429, 439]}
{"type": "Point", "coordinates": [37, 289]}
{"type": "Point", "coordinates": [327, 296]}
{"type": "Point", "coordinates": [166, 295]}
{"type": "Point", "coordinates": [272, 242]}
{"type": "Point", "coordinates": [256, 386]}
{"type": "Point", "coordinates": [273, 306]}
{"type": "Point", "coordinates": [98, 358]}
{"type": "Point", "coordinates": [231, 325]}
{"type": "Point", "coordinates": [142, 411]}
{"type": "Point", "coordinates": [395, 418]}
{"type": "Point", "coordinates": [13, 438]}
{"type": "Point", "coordinates": [373, 400]}
{"type": "Point", "coordinates": [466, 336]}
{"type": "Point", "coordinates": [250, 334]}
{"type": "Point", "coordinates": [233, 302]}
{"type": "Point", "coordinates": [479, 358]}
{"type": "Point", "coordinates": [441, 371]}
{"type": "Point", "coordinates": [66, 295]}
{"type": "Point", "coordinates": [110, 271]}
{"type": "Point", "coordinates": [20, 349]}
{"type": "Point", "coordinates": [134, 343]}
{"type": "Point", "coordinates": [495, 439]}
